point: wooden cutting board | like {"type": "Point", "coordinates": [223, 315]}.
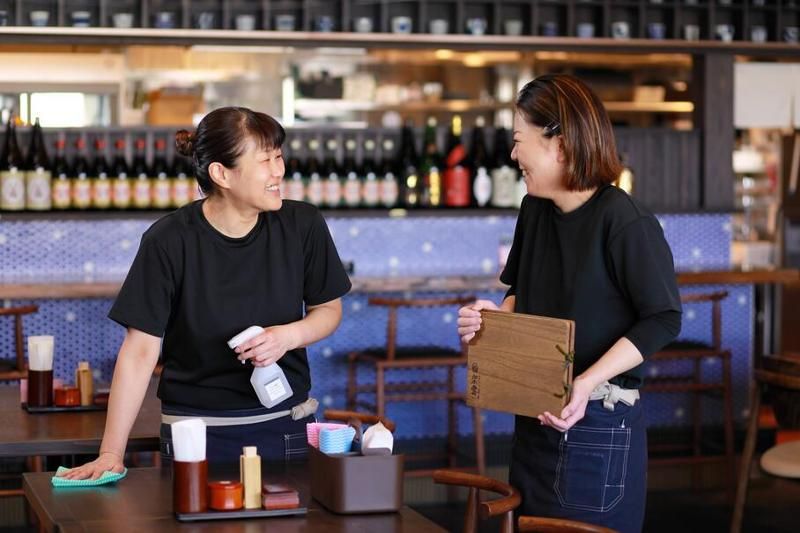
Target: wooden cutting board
{"type": "Point", "coordinates": [516, 363]}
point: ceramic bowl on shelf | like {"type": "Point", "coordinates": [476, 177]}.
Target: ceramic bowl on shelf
{"type": "Point", "coordinates": [245, 22]}
{"type": "Point", "coordinates": [39, 17]}
{"type": "Point", "coordinates": [81, 19]}
{"type": "Point", "coordinates": [122, 20]}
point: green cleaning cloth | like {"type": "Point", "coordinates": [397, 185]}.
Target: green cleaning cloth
{"type": "Point", "coordinates": [107, 477]}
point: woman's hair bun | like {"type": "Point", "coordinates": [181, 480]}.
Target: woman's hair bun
{"type": "Point", "coordinates": [184, 143]}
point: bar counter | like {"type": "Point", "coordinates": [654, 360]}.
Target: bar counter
{"type": "Point", "coordinates": [98, 288]}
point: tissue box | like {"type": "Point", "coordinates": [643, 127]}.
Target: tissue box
{"type": "Point", "coordinates": [349, 484]}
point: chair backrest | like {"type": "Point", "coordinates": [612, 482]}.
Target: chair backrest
{"type": "Point", "coordinates": [781, 376]}
{"type": "Point", "coordinates": [714, 298]}
{"type": "Point", "coordinates": [503, 506]}
{"type": "Point", "coordinates": [558, 525]}
{"type": "Point", "coordinates": [345, 416]}
{"type": "Point", "coordinates": [17, 313]}
{"type": "Point", "coordinates": [395, 303]}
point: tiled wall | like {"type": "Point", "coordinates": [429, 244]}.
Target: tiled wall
{"type": "Point", "coordinates": [415, 246]}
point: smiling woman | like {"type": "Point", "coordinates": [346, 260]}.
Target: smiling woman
{"type": "Point", "coordinates": [211, 269]}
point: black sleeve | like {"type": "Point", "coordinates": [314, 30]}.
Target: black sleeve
{"type": "Point", "coordinates": [325, 278]}
{"type": "Point", "coordinates": [509, 274]}
{"type": "Point", "coordinates": [645, 271]}
{"type": "Point", "coordinates": [145, 300]}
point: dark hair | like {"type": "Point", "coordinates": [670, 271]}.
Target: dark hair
{"type": "Point", "coordinates": [221, 136]}
{"type": "Point", "coordinates": [564, 105]}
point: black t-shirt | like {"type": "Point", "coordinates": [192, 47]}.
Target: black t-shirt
{"type": "Point", "coordinates": [605, 265]}
{"type": "Point", "coordinates": [197, 288]}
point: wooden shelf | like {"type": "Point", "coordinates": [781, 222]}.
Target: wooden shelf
{"type": "Point", "coordinates": [315, 106]}
{"type": "Point", "coordinates": [301, 39]}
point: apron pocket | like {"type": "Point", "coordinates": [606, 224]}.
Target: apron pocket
{"type": "Point", "coordinates": [296, 446]}
{"type": "Point", "coordinates": [591, 467]}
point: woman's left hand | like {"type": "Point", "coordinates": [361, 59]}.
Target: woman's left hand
{"type": "Point", "coordinates": [267, 347]}
{"type": "Point", "coordinates": [574, 410]}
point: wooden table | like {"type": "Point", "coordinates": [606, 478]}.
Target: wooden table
{"type": "Point", "coordinates": [25, 434]}
{"type": "Point", "coordinates": [143, 502]}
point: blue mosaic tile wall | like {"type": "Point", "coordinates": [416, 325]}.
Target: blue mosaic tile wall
{"type": "Point", "coordinates": [417, 246]}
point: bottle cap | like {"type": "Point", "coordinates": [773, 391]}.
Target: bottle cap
{"type": "Point", "coordinates": [83, 365]}
{"type": "Point", "coordinates": [250, 451]}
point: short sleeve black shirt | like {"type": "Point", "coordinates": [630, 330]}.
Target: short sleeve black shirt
{"type": "Point", "coordinates": [605, 265]}
{"type": "Point", "coordinates": [197, 288]}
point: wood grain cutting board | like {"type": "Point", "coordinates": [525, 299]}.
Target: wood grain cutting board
{"type": "Point", "coordinates": [515, 365]}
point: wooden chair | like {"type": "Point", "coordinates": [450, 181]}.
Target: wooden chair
{"type": "Point", "coordinates": [779, 377]}
{"type": "Point", "coordinates": [345, 416]}
{"type": "Point", "coordinates": [16, 369]}
{"type": "Point", "coordinates": [392, 357]}
{"type": "Point", "coordinates": [695, 385]}
{"type": "Point", "coordinates": [503, 506]}
{"type": "Point", "coordinates": [557, 525]}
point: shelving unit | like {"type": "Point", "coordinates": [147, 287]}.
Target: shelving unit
{"type": "Point", "coordinates": [318, 22]}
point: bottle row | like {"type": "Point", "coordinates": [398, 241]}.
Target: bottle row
{"type": "Point", "coordinates": [366, 171]}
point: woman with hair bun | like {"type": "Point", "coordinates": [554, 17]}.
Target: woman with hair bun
{"type": "Point", "coordinates": [584, 250]}
{"type": "Point", "coordinates": [240, 257]}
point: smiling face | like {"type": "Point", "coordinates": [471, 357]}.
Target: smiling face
{"type": "Point", "coordinates": [256, 178]}
{"type": "Point", "coordinates": [540, 158]}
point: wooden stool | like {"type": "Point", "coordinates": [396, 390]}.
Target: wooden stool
{"type": "Point", "coordinates": [392, 357]}
{"type": "Point", "coordinates": [694, 385]}
{"type": "Point", "coordinates": [779, 376]}
{"type": "Point", "coordinates": [15, 369]}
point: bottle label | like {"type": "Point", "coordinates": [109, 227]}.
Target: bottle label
{"type": "Point", "coordinates": [197, 192]}
{"type": "Point", "coordinates": [504, 186]}
{"type": "Point", "coordinates": [389, 190]}
{"type": "Point", "coordinates": [62, 194]}
{"type": "Point", "coordinates": [38, 189]}
{"type": "Point", "coordinates": [283, 188]}
{"type": "Point", "coordinates": [161, 195]}
{"type": "Point", "coordinates": [372, 192]}
{"type": "Point", "coordinates": [296, 189]}
{"type": "Point", "coordinates": [121, 193]}
{"type": "Point", "coordinates": [333, 191]}
{"type": "Point", "coordinates": [181, 192]}
{"type": "Point", "coordinates": [141, 193]}
{"type": "Point", "coordinates": [315, 191]}
{"type": "Point", "coordinates": [352, 190]}
{"type": "Point", "coordinates": [82, 193]}
{"type": "Point", "coordinates": [482, 187]}
{"type": "Point", "coordinates": [12, 190]}
{"type": "Point", "coordinates": [456, 186]}
{"type": "Point", "coordinates": [101, 193]}
{"type": "Point", "coordinates": [275, 389]}
{"type": "Point", "coordinates": [433, 186]}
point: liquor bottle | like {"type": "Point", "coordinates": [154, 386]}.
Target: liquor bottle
{"type": "Point", "coordinates": [456, 175]}
{"type": "Point", "coordinates": [315, 190]}
{"type": "Point", "coordinates": [101, 184]}
{"type": "Point", "coordinates": [81, 183]}
{"type": "Point", "coordinates": [142, 188]}
{"type": "Point", "coordinates": [161, 183]}
{"type": "Point", "coordinates": [37, 173]}
{"type": "Point", "coordinates": [389, 187]}
{"type": "Point", "coordinates": [183, 183]}
{"type": "Point", "coordinates": [121, 183]}
{"type": "Point", "coordinates": [371, 191]}
{"type": "Point", "coordinates": [408, 164]}
{"type": "Point", "coordinates": [504, 172]}
{"type": "Point", "coordinates": [479, 166]}
{"type": "Point", "coordinates": [352, 184]}
{"type": "Point", "coordinates": [12, 178]}
{"type": "Point", "coordinates": [430, 169]}
{"type": "Point", "coordinates": [333, 185]}
{"type": "Point", "coordinates": [295, 188]}
{"type": "Point", "coordinates": [626, 178]}
{"type": "Point", "coordinates": [62, 185]}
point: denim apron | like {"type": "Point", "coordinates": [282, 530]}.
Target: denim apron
{"type": "Point", "coordinates": [595, 472]}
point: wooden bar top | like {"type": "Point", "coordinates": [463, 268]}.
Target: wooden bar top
{"type": "Point", "coordinates": [142, 501]}
{"type": "Point", "coordinates": [26, 434]}
{"type": "Point", "coordinates": [61, 288]}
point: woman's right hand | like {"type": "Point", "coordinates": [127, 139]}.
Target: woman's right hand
{"type": "Point", "coordinates": [469, 318]}
{"type": "Point", "coordinates": [106, 461]}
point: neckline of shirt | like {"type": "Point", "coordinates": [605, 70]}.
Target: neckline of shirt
{"type": "Point", "coordinates": [231, 241]}
{"type": "Point", "coordinates": [582, 209]}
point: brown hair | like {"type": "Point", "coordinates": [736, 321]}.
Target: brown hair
{"type": "Point", "coordinates": [221, 136]}
{"type": "Point", "coordinates": [564, 105]}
